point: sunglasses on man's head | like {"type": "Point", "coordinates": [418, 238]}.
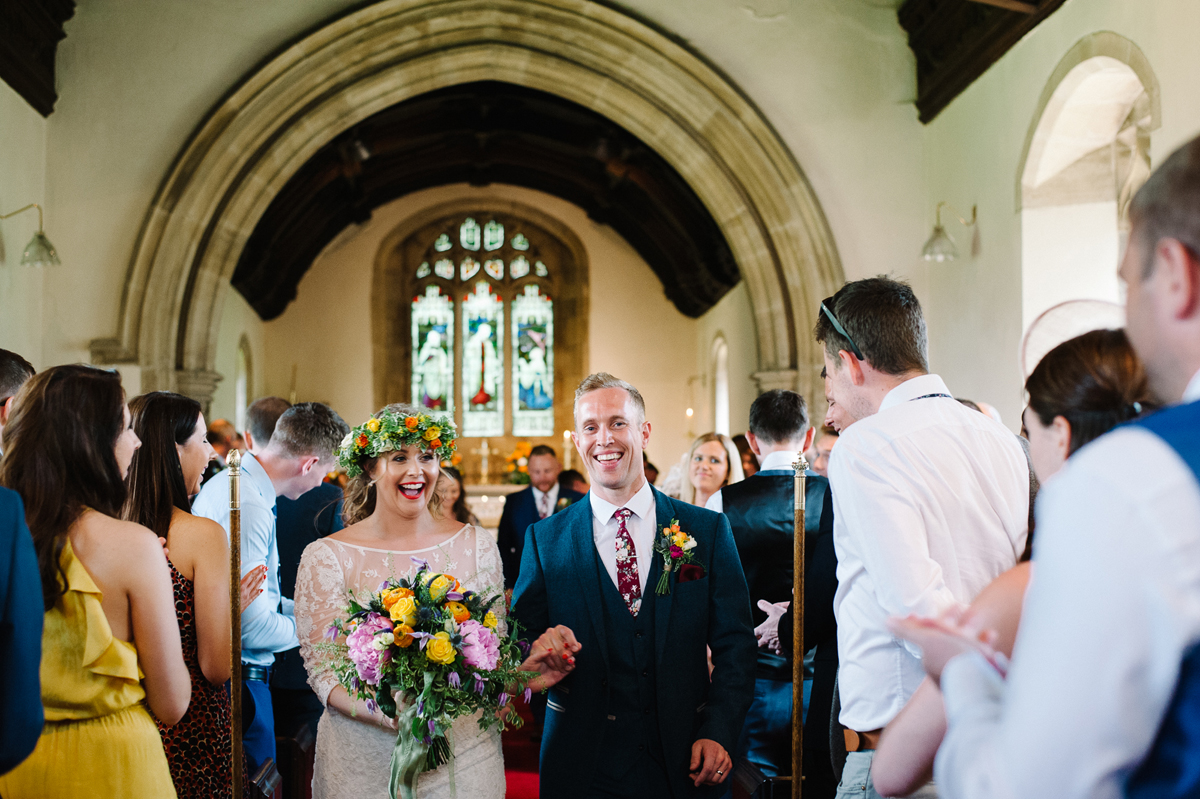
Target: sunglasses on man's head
{"type": "Point", "coordinates": [827, 309]}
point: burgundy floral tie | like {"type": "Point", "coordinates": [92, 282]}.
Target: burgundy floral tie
{"type": "Point", "coordinates": [628, 582]}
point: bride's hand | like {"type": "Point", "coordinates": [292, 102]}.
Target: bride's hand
{"type": "Point", "coordinates": [552, 656]}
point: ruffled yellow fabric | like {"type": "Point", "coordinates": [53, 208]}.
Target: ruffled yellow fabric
{"type": "Point", "coordinates": [85, 671]}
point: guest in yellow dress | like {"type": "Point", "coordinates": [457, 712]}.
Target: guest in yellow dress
{"type": "Point", "coordinates": [110, 645]}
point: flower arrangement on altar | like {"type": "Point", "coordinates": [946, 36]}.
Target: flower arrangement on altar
{"type": "Point", "coordinates": [390, 431]}
{"type": "Point", "coordinates": [441, 650]}
{"type": "Point", "coordinates": [518, 464]}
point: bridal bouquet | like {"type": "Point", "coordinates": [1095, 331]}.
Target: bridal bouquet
{"type": "Point", "coordinates": [439, 648]}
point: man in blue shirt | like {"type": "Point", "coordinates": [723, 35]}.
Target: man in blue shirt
{"type": "Point", "coordinates": [300, 453]}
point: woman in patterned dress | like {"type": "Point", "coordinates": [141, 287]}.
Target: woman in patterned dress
{"type": "Point", "coordinates": [165, 473]}
{"type": "Point", "coordinates": [393, 514]}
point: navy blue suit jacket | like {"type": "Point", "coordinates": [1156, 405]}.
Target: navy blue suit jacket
{"type": "Point", "coordinates": [520, 511]}
{"type": "Point", "coordinates": [559, 585]}
{"type": "Point", "coordinates": [21, 615]}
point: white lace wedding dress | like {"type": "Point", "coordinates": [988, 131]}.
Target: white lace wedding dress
{"type": "Point", "coordinates": [352, 758]}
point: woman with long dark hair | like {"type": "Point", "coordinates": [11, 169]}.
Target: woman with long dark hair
{"type": "Point", "coordinates": [107, 592]}
{"type": "Point", "coordinates": [1079, 391]}
{"type": "Point", "coordinates": [165, 473]}
{"type": "Point", "coordinates": [454, 499]}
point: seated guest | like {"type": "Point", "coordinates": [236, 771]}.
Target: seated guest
{"type": "Point", "coordinates": [931, 502]}
{"type": "Point", "coordinates": [110, 647]}
{"type": "Point", "coordinates": [748, 458]}
{"type": "Point", "coordinates": [541, 499]}
{"type": "Point", "coordinates": [1100, 696]}
{"type": "Point", "coordinates": [573, 481]}
{"type": "Point", "coordinates": [14, 371]}
{"type": "Point", "coordinates": [297, 458]}
{"type": "Point", "coordinates": [164, 473]}
{"type": "Point", "coordinates": [1079, 391]}
{"type": "Point", "coordinates": [21, 715]}
{"type": "Point", "coordinates": [712, 463]}
{"type": "Point", "coordinates": [761, 513]}
{"type": "Point", "coordinates": [454, 499]}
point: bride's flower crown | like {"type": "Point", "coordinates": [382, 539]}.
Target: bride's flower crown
{"type": "Point", "coordinates": [391, 431]}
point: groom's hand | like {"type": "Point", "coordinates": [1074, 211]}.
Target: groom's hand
{"type": "Point", "coordinates": [710, 763]}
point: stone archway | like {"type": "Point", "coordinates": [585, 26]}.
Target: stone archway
{"type": "Point", "coordinates": [371, 59]}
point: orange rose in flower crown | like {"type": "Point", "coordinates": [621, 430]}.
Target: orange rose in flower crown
{"type": "Point", "coordinates": [389, 430]}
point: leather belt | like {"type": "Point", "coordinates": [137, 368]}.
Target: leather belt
{"type": "Point", "coordinates": [256, 673]}
{"type": "Point", "coordinates": [862, 741]}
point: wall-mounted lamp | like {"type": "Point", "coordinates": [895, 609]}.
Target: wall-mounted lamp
{"type": "Point", "coordinates": [39, 251]}
{"type": "Point", "coordinates": [940, 246]}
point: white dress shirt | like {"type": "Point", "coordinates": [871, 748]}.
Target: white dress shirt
{"type": "Point", "coordinates": [930, 504]}
{"type": "Point", "coordinates": [640, 526]}
{"type": "Point", "coordinates": [552, 495]}
{"type": "Point", "coordinates": [265, 630]}
{"type": "Point", "coordinates": [1113, 604]}
{"type": "Point", "coordinates": [780, 459]}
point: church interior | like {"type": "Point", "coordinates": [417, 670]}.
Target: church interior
{"type": "Point", "coordinates": [242, 196]}
{"type": "Point", "coordinates": [471, 205]}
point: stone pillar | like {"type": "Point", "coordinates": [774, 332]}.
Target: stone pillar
{"type": "Point", "coordinates": [199, 384]}
{"type": "Point", "coordinates": [778, 378]}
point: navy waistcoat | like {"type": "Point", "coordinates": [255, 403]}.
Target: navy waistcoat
{"type": "Point", "coordinates": [631, 727]}
{"type": "Point", "coordinates": [1171, 770]}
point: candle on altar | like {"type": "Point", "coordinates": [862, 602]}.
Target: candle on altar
{"type": "Point", "coordinates": [568, 448]}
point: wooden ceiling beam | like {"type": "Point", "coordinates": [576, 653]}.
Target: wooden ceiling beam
{"type": "Point", "coordinates": [1011, 5]}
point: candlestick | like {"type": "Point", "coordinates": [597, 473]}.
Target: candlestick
{"type": "Point", "coordinates": [567, 447]}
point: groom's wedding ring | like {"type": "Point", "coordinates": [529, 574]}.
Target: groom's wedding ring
{"type": "Point", "coordinates": [720, 772]}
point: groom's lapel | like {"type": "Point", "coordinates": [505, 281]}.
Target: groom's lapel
{"type": "Point", "coordinates": [662, 604]}
{"type": "Point", "coordinates": [583, 560]}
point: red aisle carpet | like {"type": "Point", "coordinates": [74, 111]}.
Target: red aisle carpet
{"type": "Point", "coordinates": [521, 759]}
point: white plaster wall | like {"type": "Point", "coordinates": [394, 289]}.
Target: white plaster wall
{"type": "Point", "coordinates": [1068, 252]}
{"type": "Point", "coordinates": [635, 332]}
{"type": "Point", "coordinates": [239, 319]}
{"type": "Point", "coordinates": [22, 181]}
{"type": "Point", "coordinates": [973, 151]}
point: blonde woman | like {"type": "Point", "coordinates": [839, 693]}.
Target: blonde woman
{"type": "Point", "coordinates": [712, 463]}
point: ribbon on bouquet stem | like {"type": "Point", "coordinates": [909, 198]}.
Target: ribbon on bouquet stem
{"type": "Point", "coordinates": [408, 758]}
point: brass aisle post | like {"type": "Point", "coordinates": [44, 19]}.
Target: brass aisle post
{"type": "Point", "coordinates": [800, 466]}
{"type": "Point", "coordinates": [235, 616]}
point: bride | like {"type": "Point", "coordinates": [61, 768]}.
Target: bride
{"type": "Point", "coordinates": [393, 514]}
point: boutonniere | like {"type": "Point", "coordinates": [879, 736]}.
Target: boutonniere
{"type": "Point", "coordinates": [676, 547]}
{"type": "Point", "coordinates": [562, 503]}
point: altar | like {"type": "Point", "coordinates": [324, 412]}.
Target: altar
{"type": "Point", "coordinates": [487, 502]}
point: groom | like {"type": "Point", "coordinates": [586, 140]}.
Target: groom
{"type": "Point", "coordinates": [637, 715]}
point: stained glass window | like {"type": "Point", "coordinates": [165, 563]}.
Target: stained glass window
{"type": "Point", "coordinates": [483, 348]}
{"type": "Point", "coordinates": [433, 350]}
{"type": "Point", "coordinates": [533, 363]}
{"type": "Point", "coordinates": [493, 236]}
{"type": "Point", "coordinates": [468, 234]}
{"type": "Point", "coordinates": [483, 365]}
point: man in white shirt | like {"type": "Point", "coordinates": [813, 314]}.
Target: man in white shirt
{"type": "Point", "coordinates": [299, 455]}
{"type": "Point", "coordinates": [930, 502]}
{"type": "Point", "coordinates": [1114, 606]}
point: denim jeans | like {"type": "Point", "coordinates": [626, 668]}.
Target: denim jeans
{"type": "Point", "coordinates": [856, 780]}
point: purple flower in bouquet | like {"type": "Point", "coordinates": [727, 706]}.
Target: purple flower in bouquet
{"type": "Point", "coordinates": [363, 655]}
{"type": "Point", "coordinates": [454, 680]}
{"type": "Point", "coordinates": [528, 694]}
{"type": "Point", "coordinates": [331, 632]}
{"type": "Point", "coordinates": [503, 699]}
{"type": "Point", "coordinates": [480, 647]}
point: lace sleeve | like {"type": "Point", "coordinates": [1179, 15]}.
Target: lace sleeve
{"type": "Point", "coordinates": [320, 598]}
{"type": "Point", "coordinates": [490, 574]}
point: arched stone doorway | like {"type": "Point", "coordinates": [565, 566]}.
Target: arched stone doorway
{"type": "Point", "coordinates": [1087, 152]}
{"type": "Point", "coordinates": [369, 60]}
